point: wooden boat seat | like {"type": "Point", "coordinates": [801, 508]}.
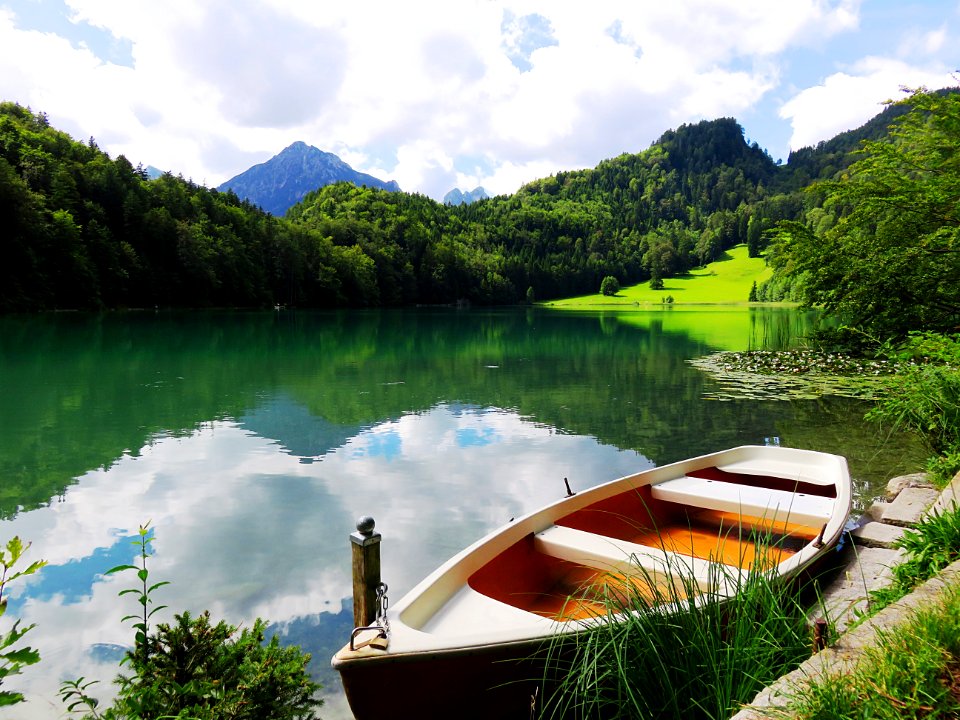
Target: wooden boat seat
{"type": "Point", "coordinates": [772, 505]}
{"type": "Point", "coordinates": [626, 558]}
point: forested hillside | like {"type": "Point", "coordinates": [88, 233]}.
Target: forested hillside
{"type": "Point", "coordinates": [82, 230]}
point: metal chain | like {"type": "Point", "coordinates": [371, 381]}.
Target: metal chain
{"type": "Point", "coordinates": [383, 602]}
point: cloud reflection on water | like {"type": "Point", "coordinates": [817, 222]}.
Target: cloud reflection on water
{"type": "Point", "coordinates": [246, 529]}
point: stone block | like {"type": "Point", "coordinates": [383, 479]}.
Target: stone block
{"type": "Point", "coordinates": [875, 534]}
{"type": "Point", "coordinates": [876, 510]}
{"type": "Point", "coordinates": [909, 506]}
{"type": "Point", "coordinates": [846, 597]}
{"type": "Point", "coordinates": [950, 497]}
{"type": "Point", "coordinates": [902, 482]}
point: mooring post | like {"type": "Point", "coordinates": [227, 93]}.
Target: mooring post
{"type": "Point", "coordinates": [820, 630]}
{"type": "Point", "coordinates": [366, 571]}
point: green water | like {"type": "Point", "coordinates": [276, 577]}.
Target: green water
{"type": "Point", "coordinates": [252, 441]}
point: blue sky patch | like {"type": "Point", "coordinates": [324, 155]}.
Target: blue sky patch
{"type": "Point", "coordinates": [381, 444]}
{"type": "Point", "coordinates": [473, 165]}
{"type": "Point", "coordinates": [474, 437]}
{"type": "Point", "coordinates": [523, 35]}
{"type": "Point", "coordinates": [53, 16]}
{"type": "Point", "coordinates": [74, 580]}
{"type": "Point", "coordinates": [615, 31]}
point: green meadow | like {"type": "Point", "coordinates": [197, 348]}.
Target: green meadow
{"type": "Point", "coordinates": [726, 281]}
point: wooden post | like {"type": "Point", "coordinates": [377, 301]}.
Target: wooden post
{"type": "Point", "coordinates": [365, 543]}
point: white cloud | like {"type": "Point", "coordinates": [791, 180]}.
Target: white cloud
{"type": "Point", "coordinates": [245, 529]}
{"type": "Point", "coordinates": [525, 84]}
{"type": "Point", "coordinates": [846, 100]}
{"type": "Point", "coordinates": [923, 43]}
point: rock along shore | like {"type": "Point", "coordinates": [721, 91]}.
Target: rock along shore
{"type": "Point", "coordinates": [869, 562]}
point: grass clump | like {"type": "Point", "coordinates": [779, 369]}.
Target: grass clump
{"type": "Point", "coordinates": [924, 398]}
{"type": "Point", "coordinates": [668, 649]}
{"type": "Point", "coordinates": [931, 546]}
{"type": "Point", "coordinates": [912, 671]}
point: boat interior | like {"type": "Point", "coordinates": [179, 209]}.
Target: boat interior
{"type": "Point", "coordinates": [700, 533]}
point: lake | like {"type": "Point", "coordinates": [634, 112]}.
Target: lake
{"type": "Point", "coordinates": [251, 442]}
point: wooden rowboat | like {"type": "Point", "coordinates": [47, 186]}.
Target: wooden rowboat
{"type": "Point", "coordinates": [461, 642]}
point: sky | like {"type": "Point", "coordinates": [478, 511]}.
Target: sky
{"type": "Point", "coordinates": [438, 94]}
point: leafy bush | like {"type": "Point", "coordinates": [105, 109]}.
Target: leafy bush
{"type": "Point", "coordinates": [609, 285]}
{"type": "Point", "coordinates": [193, 668]}
{"type": "Point", "coordinates": [13, 660]}
{"type": "Point", "coordinates": [201, 671]}
{"type": "Point", "coordinates": [925, 395]}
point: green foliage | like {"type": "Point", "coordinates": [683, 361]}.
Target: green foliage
{"type": "Point", "coordinates": [910, 673]}
{"type": "Point", "coordinates": [882, 253]}
{"type": "Point", "coordinates": [14, 659]}
{"type": "Point", "coordinates": [925, 396]}
{"type": "Point", "coordinates": [204, 671]}
{"type": "Point", "coordinates": [943, 468]}
{"type": "Point", "coordinates": [846, 340]}
{"type": "Point", "coordinates": [934, 544]}
{"type": "Point", "coordinates": [609, 286]}
{"type": "Point", "coordinates": [143, 592]}
{"type": "Point", "coordinates": [88, 231]}
{"type": "Point", "coordinates": [662, 652]}
{"type": "Point", "coordinates": [195, 669]}
{"type": "Point", "coordinates": [931, 546]}
{"type": "Point", "coordinates": [74, 695]}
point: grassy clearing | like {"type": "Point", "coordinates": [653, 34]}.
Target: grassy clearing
{"type": "Point", "coordinates": [727, 280]}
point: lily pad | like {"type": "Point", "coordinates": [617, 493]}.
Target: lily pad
{"type": "Point", "coordinates": [794, 375]}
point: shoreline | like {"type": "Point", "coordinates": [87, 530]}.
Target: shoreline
{"type": "Point", "coordinates": [910, 498]}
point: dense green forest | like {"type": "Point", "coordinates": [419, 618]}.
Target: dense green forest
{"type": "Point", "coordinates": [82, 230]}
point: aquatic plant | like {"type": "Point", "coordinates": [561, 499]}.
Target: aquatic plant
{"type": "Point", "coordinates": [795, 374]}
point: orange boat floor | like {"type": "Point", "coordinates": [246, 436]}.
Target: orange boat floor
{"type": "Point", "coordinates": [564, 591]}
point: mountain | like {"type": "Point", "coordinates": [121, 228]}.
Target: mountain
{"type": "Point", "coordinates": [458, 197]}
{"type": "Point", "coordinates": [284, 179]}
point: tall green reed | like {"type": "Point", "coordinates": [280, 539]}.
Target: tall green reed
{"type": "Point", "coordinates": [670, 646]}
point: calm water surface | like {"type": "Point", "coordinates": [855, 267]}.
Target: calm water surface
{"type": "Point", "coordinates": [252, 441]}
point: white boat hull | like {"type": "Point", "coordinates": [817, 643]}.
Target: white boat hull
{"type": "Point", "coordinates": [499, 600]}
